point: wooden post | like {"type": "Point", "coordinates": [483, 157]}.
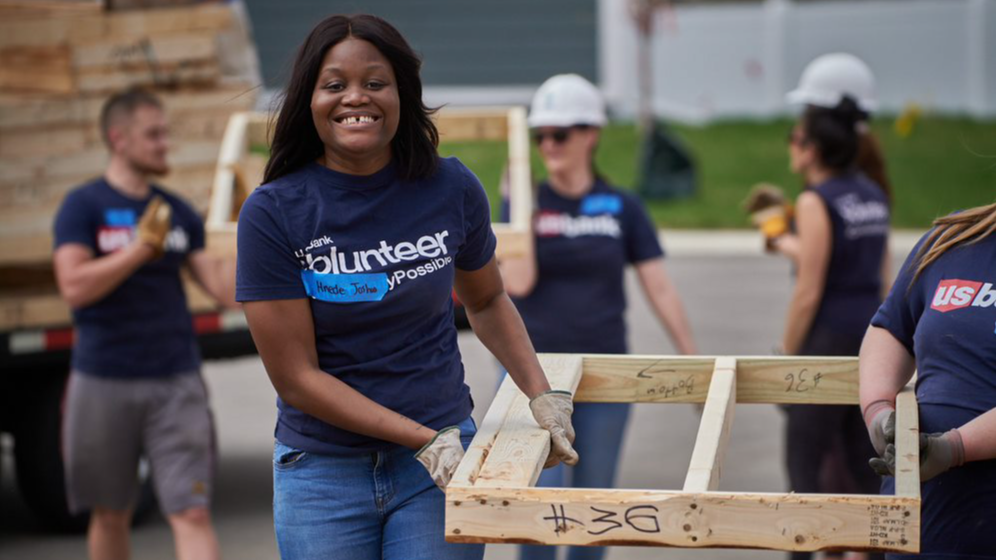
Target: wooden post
{"type": "Point", "coordinates": [714, 429]}
{"type": "Point", "coordinates": [908, 466]}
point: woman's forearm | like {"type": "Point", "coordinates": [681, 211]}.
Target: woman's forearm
{"type": "Point", "coordinates": [978, 437]}
{"type": "Point", "coordinates": [885, 366]}
{"type": "Point", "coordinates": [799, 318]}
{"type": "Point", "coordinates": [667, 305]}
{"type": "Point", "coordinates": [284, 334]}
{"type": "Point", "coordinates": [325, 397]}
{"type": "Point", "coordinates": [501, 329]}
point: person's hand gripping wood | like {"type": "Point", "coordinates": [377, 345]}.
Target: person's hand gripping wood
{"type": "Point", "coordinates": [442, 455]}
{"type": "Point", "coordinates": [154, 225]}
{"type": "Point", "coordinates": [552, 410]}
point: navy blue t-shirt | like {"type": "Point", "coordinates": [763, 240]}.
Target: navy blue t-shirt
{"type": "Point", "coordinates": [860, 223]}
{"type": "Point", "coordinates": [142, 328]}
{"type": "Point", "coordinates": [376, 255]}
{"type": "Point", "coordinates": [583, 247]}
{"type": "Point", "coordinates": [946, 320]}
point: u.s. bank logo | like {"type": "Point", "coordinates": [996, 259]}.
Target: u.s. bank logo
{"type": "Point", "coordinates": [958, 294]}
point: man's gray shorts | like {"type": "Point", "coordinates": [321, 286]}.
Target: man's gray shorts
{"type": "Point", "coordinates": [111, 423]}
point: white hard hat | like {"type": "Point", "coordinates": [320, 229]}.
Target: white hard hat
{"type": "Point", "coordinates": [830, 77]}
{"type": "Point", "coordinates": [567, 100]}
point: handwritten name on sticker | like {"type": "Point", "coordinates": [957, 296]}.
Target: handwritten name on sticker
{"type": "Point", "coordinates": [345, 288]}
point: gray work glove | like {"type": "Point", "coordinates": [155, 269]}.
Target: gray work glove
{"type": "Point", "coordinates": [552, 410]}
{"type": "Point", "coordinates": [939, 453]}
{"type": "Point", "coordinates": [881, 421]}
{"type": "Point", "coordinates": [442, 455]}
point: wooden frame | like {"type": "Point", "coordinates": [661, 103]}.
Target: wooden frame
{"type": "Point", "coordinates": [492, 498]}
{"type": "Point", "coordinates": [239, 171]}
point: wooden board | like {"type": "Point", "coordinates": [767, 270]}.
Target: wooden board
{"type": "Point", "coordinates": [41, 69]}
{"type": "Point", "coordinates": [457, 125]}
{"type": "Point", "coordinates": [86, 28]}
{"type": "Point", "coordinates": [145, 52]}
{"type": "Point", "coordinates": [21, 9]}
{"type": "Point", "coordinates": [165, 75]}
{"type": "Point", "coordinates": [521, 448]}
{"type": "Point", "coordinates": [596, 517]}
{"type": "Point", "coordinates": [680, 379]}
{"type": "Point", "coordinates": [32, 112]}
{"type": "Point", "coordinates": [60, 141]}
{"type": "Point", "coordinates": [703, 474]}
{"type": "Point", "coordinates": [92, 162]}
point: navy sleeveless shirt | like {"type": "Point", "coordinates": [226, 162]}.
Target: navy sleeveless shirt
{"type": "Point", "coordinates": [860, 223]}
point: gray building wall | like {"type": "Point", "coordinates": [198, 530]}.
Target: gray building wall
{"type": "Point", "coordinates": [463, 43]}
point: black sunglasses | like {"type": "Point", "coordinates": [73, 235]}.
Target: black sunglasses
{"type": "Point", "coordinates": [796, 139]}
{"type": "Point", "coordinates": [559, 136]}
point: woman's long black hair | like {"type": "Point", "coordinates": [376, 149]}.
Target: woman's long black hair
{"type": "Point", "coordinates": [835, 133]}
{"type": "Point", "coordinates": [295, 140]}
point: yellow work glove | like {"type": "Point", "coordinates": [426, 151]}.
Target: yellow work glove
{"type": "Point", "coordinates": [770, 211]}
{"type": "Point", "coordinates": [442, 455]}
{"type": "Point", "coordinates": [155, 224]}
{"type": "Point", "coordinates": [552, 410]}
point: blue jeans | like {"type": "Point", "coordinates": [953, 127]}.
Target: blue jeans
{"type": "Point", "coordinates": [361, 507]}
{"type": "Point", "coordinates": [598, 437]}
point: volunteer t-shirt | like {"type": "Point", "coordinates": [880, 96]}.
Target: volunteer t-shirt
{"type": "Point", "coordinates": [860, 222]}
{"type": "Point", "coordinates": [946, 320]}
{"type": "Point", "coordinates": [583, 247]}
{"type": "Point", "coordinates": [375, 255]}
{"type": "Point", "coordinates": [142, 328]}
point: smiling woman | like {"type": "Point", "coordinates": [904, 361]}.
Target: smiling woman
{"type": "Point", "coordinates": [348, 257]}
{"type": "Point", "coordinates": [357, 75]}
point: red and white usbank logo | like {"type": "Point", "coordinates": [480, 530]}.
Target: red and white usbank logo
{"type": "Point", "coordinates": [956, 294]}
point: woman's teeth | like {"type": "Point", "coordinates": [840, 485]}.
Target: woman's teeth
{"type": "Point", "coordinates": [358, 120]}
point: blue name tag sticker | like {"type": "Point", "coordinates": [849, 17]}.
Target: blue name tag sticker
{"type": "Point", "coordinates": [345, 288]}
{"type": "Point", "coordinates": [601, 204]}
{"type": "Point", "coordinates": [120, 217]}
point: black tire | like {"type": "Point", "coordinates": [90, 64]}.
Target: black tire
{"type": "Point", "coordinates": [38, 458]}
{"type": "Point", "coordinates": [39, 466]}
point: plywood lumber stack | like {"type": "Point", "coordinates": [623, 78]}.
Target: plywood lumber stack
{"type": "Point", "coordinates": [59, 61]}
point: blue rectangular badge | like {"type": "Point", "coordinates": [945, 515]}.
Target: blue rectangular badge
{"type": "Point", "coordinates": [119, 217]}
{"type": "Point", "coordinates": [345, 288]}
{"type": "Point", "coordinates": [601, 204]}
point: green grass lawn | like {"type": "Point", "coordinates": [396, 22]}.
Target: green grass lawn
{"type": "Point", "coordinates": [946, 164]}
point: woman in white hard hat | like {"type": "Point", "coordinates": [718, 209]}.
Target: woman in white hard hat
{"type": "Point", "coordinates": [839, 248]}
{"type": "Point", "coordinates": [824, 82]}
{"type": "Point", "coordinates": [571, 292]}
